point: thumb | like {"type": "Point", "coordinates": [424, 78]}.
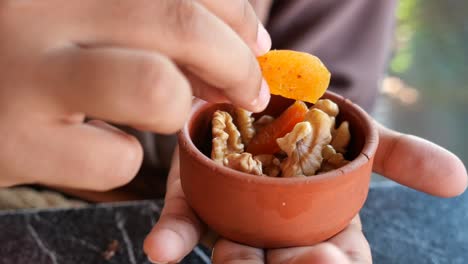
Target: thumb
{"type": "Point", "coordinates": [419, 164]}
{"type": "Point", "coordinates": [178, 230]}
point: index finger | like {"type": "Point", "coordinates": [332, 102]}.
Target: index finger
{"type": "Point", "coordinates": [241, 17]}
{"type": "Point", "coordinates": [185, 31]}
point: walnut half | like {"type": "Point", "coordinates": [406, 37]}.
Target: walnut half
{"type": "Point", "coordinates": [243, 162]}
{"type": "Point", "coordinates": [245, 121]}
{"type": "Point", "coordinates": [304, 144]}
{"type": "Point", "coordinates": [331, 159]}
{"type": "Point", "coordinates": [327, 106]}
{"type": "Point", "coordinates": [341, 137]}
{"type": "Point", "coordinates": [270, 164]}
{"type": "Point", "coordinates": [226, 137]}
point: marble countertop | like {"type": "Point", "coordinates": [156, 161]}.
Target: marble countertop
{"type": "Point", "coordinates": [402, 225]}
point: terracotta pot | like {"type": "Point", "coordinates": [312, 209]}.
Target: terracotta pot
{"type": "Point", "coordinates": [271, 212]}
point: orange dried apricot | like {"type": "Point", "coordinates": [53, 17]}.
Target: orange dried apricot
{"type": "Point", "coordinates": [295, 75]}
{"type": "Point", "coordinates": [264, 141]}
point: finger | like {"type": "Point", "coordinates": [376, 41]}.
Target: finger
{"type": "Point", "coordinates": [324, 253]}
{"type": "Point", "coordinates": [419, 164]}
{"type": "Point", "coordinates": [352, 242]}
{"type": "Point", "coordinates": [101, 157]}
{"type": "Point", "coordinates": [262, 9]}
{"type": "Point", "coordinates": [122, 86]}
{"type": "Point", "coordinates": [348, 246]}
{"type": "Point", "coordinates": [178, 230]}
{"type": "Point", "coordinates": [93, 156]}
{"type": "Point", "coordinates": [227, 252]}
{"type": "Point", "coordinates": [186, 32]}
{"type": "Point", "coordinates": [241, 17]}
{"type": "Point", "coordinates": [209, 93]}
{"type": "Point", "coordinates": [204, 91]}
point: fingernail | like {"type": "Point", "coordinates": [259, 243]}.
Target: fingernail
{"type": "Point", "coordinates": [261, 102]}
{"type": "Point", "coordinates": [263, 40]}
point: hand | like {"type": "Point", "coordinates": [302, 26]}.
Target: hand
{"type": "Point", "coordinates": [134, 63]}
{"type": "Point", "coordinates": [426, 167]}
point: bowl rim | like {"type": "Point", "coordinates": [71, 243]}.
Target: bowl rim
{"type": "Point", "coordinates": [365, 155]}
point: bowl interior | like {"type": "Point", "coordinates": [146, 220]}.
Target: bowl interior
{"type": "Point", "coordinates": [199, 125]}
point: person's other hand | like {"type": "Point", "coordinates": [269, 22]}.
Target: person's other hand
{"type": "Point", "coordinates": [409, 160]}
{"type": "Point", "coordinates": [134, 63]}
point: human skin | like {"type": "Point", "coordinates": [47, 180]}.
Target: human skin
{"type": "Point", "coordinates": [127, 62]}
{"type": "Point", "coordinates": [426, 167]}
{"type": "Point", "coordinates": [409, 160]}
{"type": "Point", "coordinates": [133, 63]}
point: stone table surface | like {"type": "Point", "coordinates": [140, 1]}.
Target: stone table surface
{"type": "Point", "coordinates": [402, 225]}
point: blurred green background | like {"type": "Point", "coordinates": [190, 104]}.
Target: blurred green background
{"type": "Point", "coordinates": [426, 90]}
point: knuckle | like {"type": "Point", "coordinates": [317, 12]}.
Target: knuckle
{"type": "Point", "coordinates": [160, 84]}
{"type": "Point", "coordinates": [184, 15]}
{"type": "Point", "coordinates": [244, 11]}
{"type": "Point", "coordinates": [183, 219]}
{"type": "Point", "coordinates": [244, 20]}
{"type": "Point", "coordinates": [172, 123]}
{"type": "Point", "coordinates": [153, 80]}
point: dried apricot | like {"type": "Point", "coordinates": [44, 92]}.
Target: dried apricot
{"type": "Point", "coordinates": [295, 75]}
{"type": "Point", "coordinates": [264, 141]}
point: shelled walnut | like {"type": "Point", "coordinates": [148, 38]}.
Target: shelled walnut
{"type": "Point", "coordinates": [245, 123]}
{"type": "Point", "coordinates": [327, 106]}
{"type": "Point", "coordinates": [270, 164]}
{"type": "Point", "coordinates": [226, 137]}
{"type": "Point", "coordinates": [313, 146]}
{"type": "Point", "coordinates": [341, 137]}
{"type": "Point", "coordinates": [305, 143]}
{"type": "Point", "coordinates": [331, 159]}
{"type": "Point", "coordinates": [243, 162]}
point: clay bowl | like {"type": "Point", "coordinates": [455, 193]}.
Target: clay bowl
{"type": "Point", "coordinates": [271, 212]}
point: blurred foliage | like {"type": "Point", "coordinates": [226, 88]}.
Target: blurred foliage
{"type": "Point", "coordinates": [431, 53]}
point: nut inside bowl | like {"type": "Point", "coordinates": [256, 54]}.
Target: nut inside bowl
{"type": "Point", "coordinates": [270, 212]}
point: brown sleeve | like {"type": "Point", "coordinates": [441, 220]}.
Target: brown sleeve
{"type": "Point", "coordinates": [353, 38]}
